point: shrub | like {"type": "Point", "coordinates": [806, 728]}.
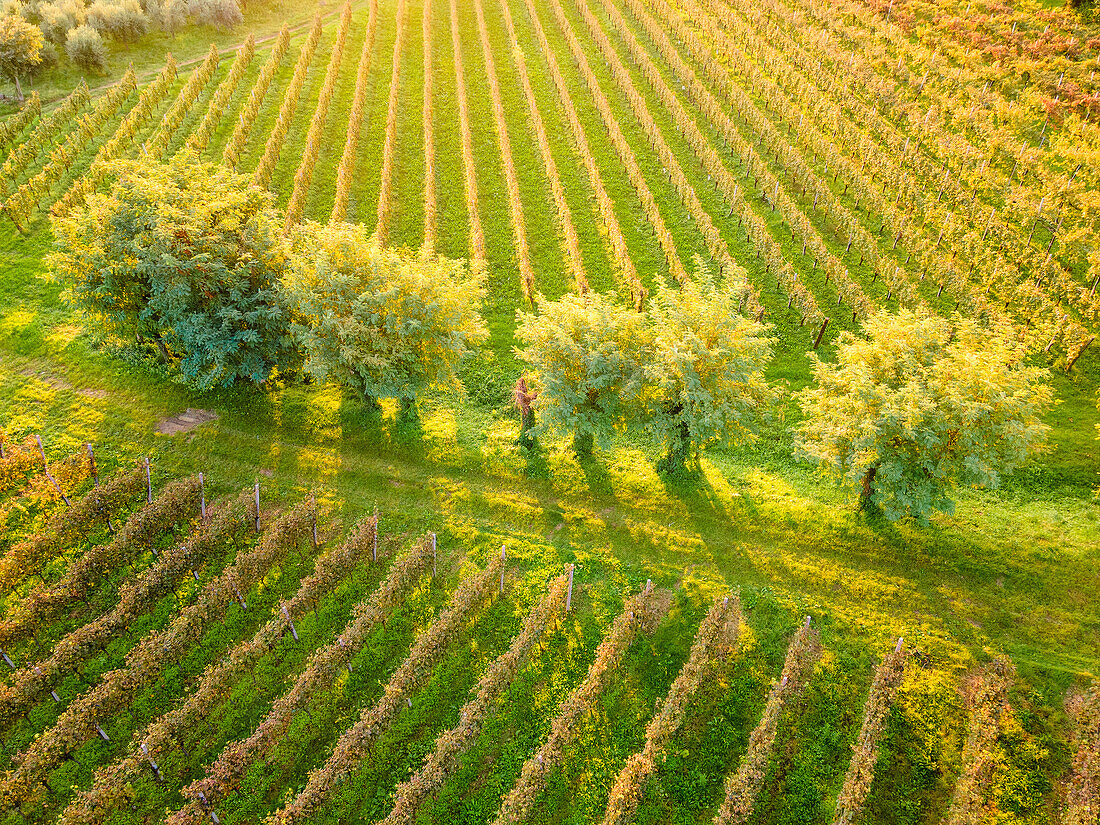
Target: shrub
{"type": "Point", "coordinates": [84, 46]}
{"type": "Point", "coordinates": [48, 59]}
{"type": "Point", "coordinates": [707, 368]}
{"type": "Point", "coordinates": [589, 354]}
{"type": "Point", "coordinates": [169, 15]}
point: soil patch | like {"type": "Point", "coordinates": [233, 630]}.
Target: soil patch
{"type": "Point", "coordinates": [185, 421]}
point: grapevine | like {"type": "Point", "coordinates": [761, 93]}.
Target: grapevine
{"type": "Point", "coordinates": [274, 146]}
{"type": "Point", "coordinates": [153, 653]}
{"type": "Point", "coordinates": [865, 752]}
{"type": "Point", "coordinates": [175, 504]}
{"type": "Point", "coordinates": [29, 556]}
{"type": "Point", "coordinates": [251, 109]}
{"type": "Point", "coordinates": [160, 737]}
{"type": "Point", "coordinates": [357, 740]}
{"type": "Point", "coordinates": [987, 700]}
{"type": "Point", "coordinates": [148, 100]}
{"type": "Point", "coordinates": [346, 168]}
{"type": "Point", "coordinates": [743, 786]}
{"type": "Point", "coordinates": [47, 130]}
{"type": "Point", "coordinates": [450, 746]}
{"type": "Point", "coordinates": [568, 231]}
{"type": "Point", "coordinates": [304, 175]}
{"type": "Point", "coordinates": [224, 776]}
{"type": "Point", "coordinates": [13, 127]}
{"type": "Point", "coordinates": [469, 177]}
{"type": "Point", "coordinates": [515, 204]}
{"type": "Point", "coordinates": [641, 613]}
{"type": "Point", "coordinates": [135, 599]}
{"type": "Point", "coordinates": [157, 145]}
{"type": "Point", "coordinates": [200, 138]}
{"type": "Point", "coordinates": [385, 196]}
{"type": "Point", "coordinates": [620, 254]}
{"type": "Point", "coordinates": [715, 642]}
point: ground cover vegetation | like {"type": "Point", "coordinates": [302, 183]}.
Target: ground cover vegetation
{"type": "Point", "coordinates": [645, 411]}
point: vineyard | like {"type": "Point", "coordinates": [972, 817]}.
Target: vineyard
{"type": "Point", "coordinates": [309, 611]}
{"type": "Point", "coordinates": [833, 169]}
{"type": "Point", "coordinates": [178, 655]}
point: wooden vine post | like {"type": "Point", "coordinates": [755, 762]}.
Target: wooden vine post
{"type": "Point", "coordinates": [56, 486]}
{"type": "Point", "coordinates": [569, 591]}
{"type": "Point", "coordinates": [148, 482]}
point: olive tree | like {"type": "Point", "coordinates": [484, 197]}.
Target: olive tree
{"type": "Point", "coordinates": [706, 368]}
{"type": "Point", "coordinates": [384, 323]}
{"type": "Point", "coordinates": [587, 354]}
{"type": "Point", "coordinates": [188, 256]}
{"type": "Point", "coordinates": [20, 48]}
{"type": "Point", "coordinates": [919, 405]}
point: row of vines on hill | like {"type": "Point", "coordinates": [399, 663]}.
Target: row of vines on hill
{"type": "Point", "coordinates": [154, 743]}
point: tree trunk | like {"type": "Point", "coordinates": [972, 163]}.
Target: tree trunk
{"type": "Point", "coordinates": [406, 411]}
{"type": "Point", "coordinates": [582, 444]}
{"type": "Point", "coordinates": [165, 356]}
{"type": "Point", "coordinates": [18, 88]}
{"type": "Point", "coordinates": [865, 502]}
{"type": "Point", "coordinates": [678, 450]}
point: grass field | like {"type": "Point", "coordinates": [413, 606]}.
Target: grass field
{"type": "Point", "coordinates": [1012, 572]}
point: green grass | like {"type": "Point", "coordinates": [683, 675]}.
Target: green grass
{"type": "Point", "coordinates": [1012, 571]}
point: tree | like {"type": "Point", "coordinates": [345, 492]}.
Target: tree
{"type": "Point", "coordinates": [384, 323]}
{"type": "Point", "coordinates": [707, 368]}
{"type": "Point", "coordinates": [121, 19]}
{"type": "Point", "coordinates": [57, 19]}
{"type": "Point", "coordinates": [588, 355]}
{"type": "Point", "coordinates": [919, 406]}
{"type": "Point", "coordinates": [20, 48]}
{"type": "Point", "coordinates": [187, 255]}
{"type": "Point", "coordinates": [84, 46]}
{"type": "Point", "coordinates": [221, 14]}
{"type": "Point", "coordinates": [171, 15]}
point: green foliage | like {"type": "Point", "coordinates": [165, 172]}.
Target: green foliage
{"type": "Point", "coordinates": [57, 19]}
{"type": "Point", "coordinates": [707, 367]}
{"type": "Point", "coordinates": [186, 254]}
{"type": "Point", "coordinates": [692, 368]}
{"type": "Point", "coordinates": [20, 48]}
{"type": "Point", "coordinates": [221, 14]}
{"type": "Point", "coordinates": [920, 406]}
{"type": "Point", "coordinates": [589, 354]}
{"type": "Point", "coordinates": [84, 46]}
{"type": "Point", "coordinates": [121, 19]}
{"type": "Point", "coordinates": [384, 323]}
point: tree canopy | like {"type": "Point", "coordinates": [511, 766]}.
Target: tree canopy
{"type": "Point", "coordinates": [920, 405]}
{"type": "Point", "coordinates": [385, 323]}
{"type": "Point", "coordinates": [20, 48]}
{"type": "Point", "coordinates": [691, 367]}
{"type": "Point", "coordinates": [707, 368]}
{"type": "Point", "coordinates": [187, 255]}
{"type": "Point", "coordinates": [588, 353]}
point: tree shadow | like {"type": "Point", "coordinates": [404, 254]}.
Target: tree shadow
{"type": "Point", "coordinates": [703, 502]}
{"type": "Point", "coordinates": [534, 457]}
{"type": "Point", "coordinates": [596, 475]}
